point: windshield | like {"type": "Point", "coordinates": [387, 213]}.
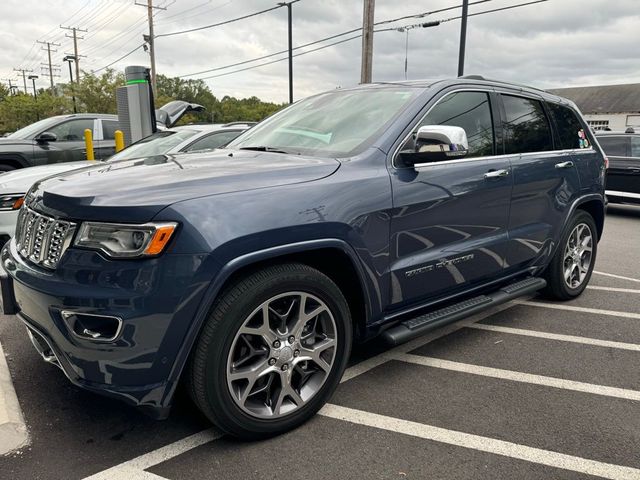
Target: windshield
{"type": "Point", "coordinates": [338, 124]}
{"type": "Point", "coordinates": [30, 131]}
{"type": "Point", "coordinates": [157, 144]}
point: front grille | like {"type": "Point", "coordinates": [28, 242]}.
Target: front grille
{"type": "Point", "coordinates": [42, 239]}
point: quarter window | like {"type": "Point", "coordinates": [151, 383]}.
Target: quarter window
{"type": "Point", "coordinates": [568, 126]}
{"type": "Point", "coordinates": [468, 110]}
{"type": "Point", "coordinates": [526, 126]}
{"type": "Point", "coordinates": [109, 128]}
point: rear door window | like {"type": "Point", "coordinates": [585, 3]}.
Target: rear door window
{"type": "Point", "coordinates": [571, 134]}
{"type": "Point", "coordinates": [109, 128]}
{"type": "Point", "coordinates": [525, 125]}
{"type": "Point", "coordinates": [635, 147]}
{"type": "Point", "coordinates": [615, 146]}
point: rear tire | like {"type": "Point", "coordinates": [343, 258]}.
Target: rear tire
{"type": "Point", "coordinates": [572, 265]}
{"type": "Point", "coordinates": [272, 351]}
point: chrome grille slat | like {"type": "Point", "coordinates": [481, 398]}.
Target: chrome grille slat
{"type": "Point", "coordinates": [42, 239]}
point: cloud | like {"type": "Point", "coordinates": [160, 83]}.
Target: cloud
{"type": "Point", "coordinates": [551, 44]}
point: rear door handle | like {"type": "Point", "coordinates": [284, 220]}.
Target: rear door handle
{"type": "Point", "coordinates": [564, 165]}
{"type": "Point", "coordinates": [497, 173]}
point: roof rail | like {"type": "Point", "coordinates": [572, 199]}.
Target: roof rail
{"type": "Point", "coordinates": [473, 77]}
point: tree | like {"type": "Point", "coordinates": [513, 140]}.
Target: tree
{"type": "Point", "coordinates": [96, 93]}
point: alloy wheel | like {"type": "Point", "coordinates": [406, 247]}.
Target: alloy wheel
{"type": "Point", "coordinates": [281, 355]}
{"type": "Point", "coordinates": [578, 255]}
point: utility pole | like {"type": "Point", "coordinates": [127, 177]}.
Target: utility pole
{"type": "Point", "coordinates": [367, 41]}
{"type": "Point", "coordinates": [24, 72]}
{"type": "Point", "coordinates": [290, 38]}
{"type": "Point", "coordinates": [11, 85]}
{"type": "Point", "coordinates": [463, 36]}
{"type": "Point", "coordinates": [48, 49]}
{"type": "Point", "coordinates": [151, 40]}
{"type": "Point", "coordinates": [35, 94]}
{"type": "Point", "coordinates": [75, 37]}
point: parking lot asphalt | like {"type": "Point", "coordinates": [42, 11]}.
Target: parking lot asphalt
{"type": "Point", "coordinates": [531, 390]}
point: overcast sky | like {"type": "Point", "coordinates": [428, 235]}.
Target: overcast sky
{"type": "Point", "coordinates": [552, 44]}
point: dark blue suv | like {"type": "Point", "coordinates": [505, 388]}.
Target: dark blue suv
{"type": "Point", "coordinates": [247, 273]}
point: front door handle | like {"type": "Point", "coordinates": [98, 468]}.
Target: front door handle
{"type": "Point", "coordinates": [564, 165]}
{"type": "Point", "coordinates": [497, 173]}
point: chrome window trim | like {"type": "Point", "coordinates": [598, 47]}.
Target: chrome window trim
{"type": "Point", "coordinates": [394, 165]}
{"type": "Point", "coordinates": [617, 193]}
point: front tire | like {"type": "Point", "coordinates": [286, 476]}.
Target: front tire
{"type": "Point", "coordinates": [272, 351]}
{"type": "Point", "coordinates": [572, 265]}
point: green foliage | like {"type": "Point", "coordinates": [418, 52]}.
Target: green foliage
{"type": "Point", "coordinates": [97, 94]}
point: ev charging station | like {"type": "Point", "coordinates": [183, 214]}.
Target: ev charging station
{"type": "Point", "coordinates": [136, 112]}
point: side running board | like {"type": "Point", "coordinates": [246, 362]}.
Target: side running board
{"type": "Point", "coordinates": [415, 327]}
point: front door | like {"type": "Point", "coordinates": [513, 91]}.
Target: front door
{"type": "Point", "coordinates": [449, 223]}
{"type": "Point", "coordinates": [70, 145]}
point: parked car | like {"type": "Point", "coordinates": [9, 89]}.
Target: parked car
{"type": "Point", "coordinates": [248, 272]}
{"type": "Point", "coordinates": [623, 174]}
{"type": "Point", "coordinates": [15, 184]}
{"type": "Point", "coordinates": [61, 138]}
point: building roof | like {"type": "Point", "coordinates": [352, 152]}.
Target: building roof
{"type": "Point", "coordinates": [604, 98]}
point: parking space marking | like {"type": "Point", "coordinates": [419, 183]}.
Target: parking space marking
{"type": "Point", "coordinates": [480, 443]}
{"type": "Point", "coordinates": [135, 469]}
{"type": "Point", "coordinates": [556, 336]}
{"type": "Point", "coordinates": [613, 289]}
{"type": "Point", "coordinates": [572, 308]}
{"type": "Point", "coordinates": [612, 275]}
{"type": "Point", "coordinates": [520, 376]}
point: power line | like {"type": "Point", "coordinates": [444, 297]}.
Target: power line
{"type": "Point", "coordinates": [348, 39]}
{"type": "Point", "coordinates": [204, 27]}
{"type": "Point", "coordinates": [121, 58]}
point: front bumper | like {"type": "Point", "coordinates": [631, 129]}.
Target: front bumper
{"type": "Point", "coordinates": [155, 298]}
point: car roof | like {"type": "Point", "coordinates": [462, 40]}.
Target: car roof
{"type": "Point", "coordinates": [103, 116]}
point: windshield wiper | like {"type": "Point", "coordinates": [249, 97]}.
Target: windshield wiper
{"type": "Point", "coordinates": [264, 149]}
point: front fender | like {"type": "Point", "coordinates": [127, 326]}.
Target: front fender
{"type": "Point", "coordinates": [226, 271]}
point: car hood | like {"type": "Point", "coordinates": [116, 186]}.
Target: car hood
{"type": "Point", "coordinates": [136, 190]}
{"type": "Point", "coordinates": [21, 180]}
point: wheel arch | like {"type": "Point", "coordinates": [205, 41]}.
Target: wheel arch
{"type": "Point", "coordinates": [595, 208]}
{"type": "Point", "coordinates": [13, 160]}
{"type": "Point", "coordinates": [333, 257]}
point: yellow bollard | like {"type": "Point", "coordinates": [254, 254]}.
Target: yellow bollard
{"type": "Point", "coordinates": [119, 136]}
{"type": "Point", "coordinates": [88, 140]}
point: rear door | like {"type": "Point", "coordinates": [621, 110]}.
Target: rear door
{"type": "Point", "coordinates": [449, 223]}
{"type": "Point", "coordinates": [545, 180]}
{"type": "Point", "coordinates": [623, 175]}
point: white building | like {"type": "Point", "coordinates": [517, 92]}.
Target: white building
{"type": "Point", "coordinates": [607, 107]}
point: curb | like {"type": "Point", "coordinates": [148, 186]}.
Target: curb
{"type": "Point", "coordinates": [13, 431]}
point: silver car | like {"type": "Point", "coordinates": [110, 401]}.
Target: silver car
{"type": "Point", "coordinates": [190, 138]}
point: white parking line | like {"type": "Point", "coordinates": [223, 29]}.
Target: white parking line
{"type": "Point", "coordinates": [520, 377]}
{"type": "Point", "coordinates": [613, 289]}
{"type": "Point", "coordinates": [572, 308]}
{"type": "Point", "coordinates": [483, 444]}
{"type": "Point", "coordinates": [556, 336]}
{"type": "Point", "coordinates": [13, 431]}
{"type": "Point", "coordinates": [616, 276]}
{"type": "Point", "coordinates": [135, 469]}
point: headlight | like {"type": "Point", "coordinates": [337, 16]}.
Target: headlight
{"type": "Point", "coordinates": [11, 202]}
{"type": "Point", "coordinates": [125, 241]}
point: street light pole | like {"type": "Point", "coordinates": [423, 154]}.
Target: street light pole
{"type": "Point", "coordinates": [69, 59]}
{"type": "Point", "coordinates": [463, 37]}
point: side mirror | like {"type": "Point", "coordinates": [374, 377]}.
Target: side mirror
{"type": "Point", "coordinates": [46, 137]}
{"type": "Point", "coordinates": [435, 143]}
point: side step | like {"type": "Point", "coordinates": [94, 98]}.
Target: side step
{"type": "Point", "coordinates": [415, 327]}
